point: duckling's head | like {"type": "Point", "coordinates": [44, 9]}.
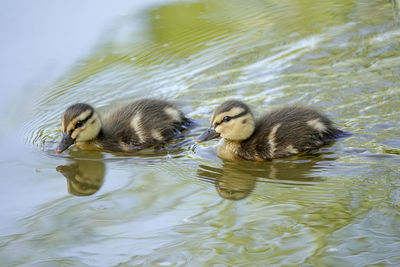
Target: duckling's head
{"type": "Point", "coordinates": [80, 123]}
{"type": "Point", "coordinates": [231, 120]}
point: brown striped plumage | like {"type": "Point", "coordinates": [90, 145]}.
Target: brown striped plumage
{"type": "Point", "coordinates": [280, 133]}
{"type": "Point", "coordinates": [137, 125]}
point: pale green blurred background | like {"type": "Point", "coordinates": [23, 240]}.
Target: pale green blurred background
{"type": "Point", "coordinates": [337, 206]}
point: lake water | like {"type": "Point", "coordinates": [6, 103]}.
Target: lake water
{"type": "Point", "coordinates": [183, 206]}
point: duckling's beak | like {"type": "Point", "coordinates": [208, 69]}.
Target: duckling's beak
{"type": "Point", "coordinates": [207, 135]}
{"type": "Point", "coordinates": [65, 143]}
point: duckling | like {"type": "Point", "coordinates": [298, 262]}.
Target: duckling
{"type": "Point", "coordinates": [135, 126]}
{"type": "Point", "coordinates": [281, 133]}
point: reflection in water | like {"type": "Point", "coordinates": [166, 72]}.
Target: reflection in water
{"type": "Point", "coordinates": [236, 180]}
{"type": "Point", "coordinates": [84, 176]}
{"type": "Point", "coordinates": [230, 183]}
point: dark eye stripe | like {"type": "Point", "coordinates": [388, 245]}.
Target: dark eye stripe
{"type": "Point", "coordinates": [87, 118]}
{"type": "Point", "coordinates": [82, 122]}
{"type": "Point", "coordinates": [231, 117]}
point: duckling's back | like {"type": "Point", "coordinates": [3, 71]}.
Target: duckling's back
{"type": "Point", "coordinates": [288, 131]}
{"type": "Point", "coordinates": [141, 124]}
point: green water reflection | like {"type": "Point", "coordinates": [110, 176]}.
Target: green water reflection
{"type": "Point", "coordinates": [183, 206]}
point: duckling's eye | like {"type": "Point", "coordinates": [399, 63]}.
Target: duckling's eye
{"type": "Point", "coordinates": [78, 124]}
{"type": "Point", "coordinates": [226, 119]}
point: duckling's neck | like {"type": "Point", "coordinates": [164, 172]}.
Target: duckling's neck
{"type": "Point", "coordinates": [88, 145]}
{"type": "Point", "coordinates": [228, 149]}
{"type": "Point", "coordinates": [98, 130]}
{"type": "Point", "coordinates": [98, 140]}
{"type": "Point", "coordinates": [94, 143]}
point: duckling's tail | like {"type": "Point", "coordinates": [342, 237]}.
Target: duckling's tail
{"type": "Point", "coordinates": [341, 134]}
{"type": "Point", "coordinates": [188, 124]}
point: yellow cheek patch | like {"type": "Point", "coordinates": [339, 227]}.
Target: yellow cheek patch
{"type": "Point", "coordinates": [76, 133]}
{"type": "Point", "coordinates": [219, 128]}
{"type": "Point", "coordinates": [81, 117]}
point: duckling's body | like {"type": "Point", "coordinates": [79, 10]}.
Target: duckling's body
{"type": "Point", "coordinates": [280, 133]}
{"type": "Point", "coordinates": [135, 126]}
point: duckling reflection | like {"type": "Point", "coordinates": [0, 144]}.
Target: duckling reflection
{"type": "Point", "coordinates": [84, 177]}
{"type": "Point", "coordinates": [237, 180]}
{"type": "Point", "coordinates": [230, 183]}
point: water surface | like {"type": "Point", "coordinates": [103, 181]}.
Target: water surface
{"type": "Point", "coordinates": [338, 205]}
